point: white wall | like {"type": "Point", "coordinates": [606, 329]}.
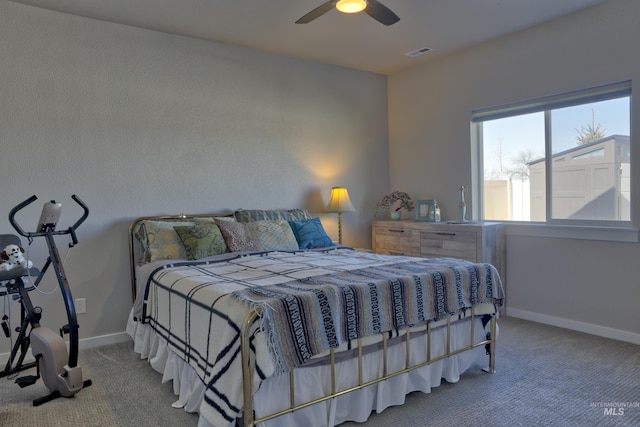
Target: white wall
{"type": "Point", "coordinates": [584, 284]}
{"type": "Point", "coordinates": [139, 123]}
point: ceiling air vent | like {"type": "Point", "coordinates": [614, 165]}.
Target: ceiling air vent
{"type": "Point", "coordinates": [419, 51]}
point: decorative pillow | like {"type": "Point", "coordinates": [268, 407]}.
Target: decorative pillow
{"type": "Point", "coordinates": [201, 240]}
{"type": "Point", "coordinates": [248, 215]}
{"type": "Point", "coordinates": [310, 234]}
{"type": "Point", "coordinates": [160, 241]}
{"type": "Point", "coordinates": [273, 235]}
{"type": "Point", "coordinates": [236, 236]}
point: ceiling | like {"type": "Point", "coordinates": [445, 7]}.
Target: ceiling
{"type": "Point", "coordinates": [355, 41]}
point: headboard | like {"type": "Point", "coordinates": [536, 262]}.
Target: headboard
{"type": "Point", "coordinates": [138, 234]}
{"type": "Point", "coordinates": [136, 253]}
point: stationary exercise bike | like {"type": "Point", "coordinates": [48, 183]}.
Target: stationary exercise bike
{"type": "Point", "coordinates": [58, 367]}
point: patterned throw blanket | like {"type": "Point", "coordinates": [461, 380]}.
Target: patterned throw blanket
{"type": "Point", "coordinates": [308, 316]}
{"type": "Point", "coordinates": [310, 301]}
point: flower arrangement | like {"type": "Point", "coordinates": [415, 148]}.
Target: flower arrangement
{"type": "Point", "coordinates": [390, 199]}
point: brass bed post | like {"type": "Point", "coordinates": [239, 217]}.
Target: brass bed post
{"type": "Point", "coordinates": [407, 359]}
{"type": "Point", "coordinates": [384, 355]}
{"type": "Point", "coordinates": [429, 342]}
{"type": "Point", "coordinates": [492, 344]}
{"type": "Point", "coordinates": [247, 366]}
{"type": "Point", "coordinates": [132, 261]}
{"type": "Point", "coordinates": [332, 364]}
{"type": "Point", "coordinates": [292, 390]}
{"type": "Point", "coordinates": [448, 351]}
{"type": "Point", "coordinates": [360, 377]}
{"type": "Point", "coordinates": [473, 329]}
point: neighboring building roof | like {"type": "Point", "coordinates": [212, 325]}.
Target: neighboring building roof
{"type": "Point", "coordinates": [623, 139]}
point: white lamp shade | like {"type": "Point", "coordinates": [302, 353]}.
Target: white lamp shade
{"type": "Point", "coordinates": [351, 6]}
{"type": "Point", "coordinates": [339, 201]}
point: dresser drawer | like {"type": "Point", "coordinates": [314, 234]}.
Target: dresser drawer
{"type": "Point", "coordinates": [472, 241]}
{"type": "Point", "coordinates": [396, 240]}
{"type": "Point", "coordinates": [455, 244]}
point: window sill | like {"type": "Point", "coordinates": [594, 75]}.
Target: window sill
{"type": "Point", "coordinates": [610, 234]}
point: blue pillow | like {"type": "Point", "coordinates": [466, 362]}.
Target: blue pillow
{"type": "Point", "coordinates": [310, 234]}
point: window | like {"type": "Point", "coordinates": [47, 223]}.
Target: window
{"type": "Point", "coordinates": [561, 159]}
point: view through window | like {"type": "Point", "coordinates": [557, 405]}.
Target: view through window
{"type": "Point", "coordinates": [581, 138]}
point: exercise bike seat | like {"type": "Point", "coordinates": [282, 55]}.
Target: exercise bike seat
{"type": "Point", "coordinates": [8, 282]}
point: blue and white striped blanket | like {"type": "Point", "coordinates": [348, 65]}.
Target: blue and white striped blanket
{"type": "Point", "coordinates": [311, 301]}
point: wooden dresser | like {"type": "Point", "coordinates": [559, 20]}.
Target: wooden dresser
{"type": "Point", "coordinates": [472, 241]}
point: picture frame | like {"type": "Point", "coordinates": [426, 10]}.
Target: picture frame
{"type": "Point", "coordinates": [426, 210]}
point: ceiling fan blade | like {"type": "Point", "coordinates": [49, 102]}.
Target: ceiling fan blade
{"type": "Point", "coordinates": [317, 12]}
{"type": "Point", "coordinates": [381, 13]}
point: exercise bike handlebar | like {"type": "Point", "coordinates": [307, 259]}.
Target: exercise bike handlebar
{"type": "Point", "coordinates": [71, 230]}
{"type": "Point", "coordinates": [85, 212]}
{"type": "Point", "coordinates": [12, 215]}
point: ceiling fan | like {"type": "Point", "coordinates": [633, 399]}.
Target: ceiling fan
{"type": "Point", "coordinates": [373, 8]}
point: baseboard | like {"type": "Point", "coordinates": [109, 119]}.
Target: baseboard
{"type": "Point", "coordinates": [83, 344]}
{"type": "Point", "coordinates": [92, 342]}
{"type": "Point", "coordinates": [574, 325]}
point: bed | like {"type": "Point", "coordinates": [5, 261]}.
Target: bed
{"type": "Point", "coordinates": [259, 319]}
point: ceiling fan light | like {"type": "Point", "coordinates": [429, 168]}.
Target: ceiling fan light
{"type": "Point", "coordinates": [351, 6]}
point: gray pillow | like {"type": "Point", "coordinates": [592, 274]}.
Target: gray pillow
{"type": "Point", "coordinates": [237, 236]}
{"type": "Point", "coordinates": [273, 235]}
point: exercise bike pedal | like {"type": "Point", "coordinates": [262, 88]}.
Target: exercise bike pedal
{"type": "Point", "coordinates": [26, 381]}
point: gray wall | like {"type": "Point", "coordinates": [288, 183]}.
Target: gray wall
{"type": "Point", "coordinates": [139, 123]}
{"type": "Point", "coordinates": [582, 283]}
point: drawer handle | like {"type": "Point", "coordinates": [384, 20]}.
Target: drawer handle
{"type": "Point", "coordinates": [446, 234]}
{"type": "Point", "coordinates": [396, 253]}
{"type": "Point", "coordinates": [395, 230]}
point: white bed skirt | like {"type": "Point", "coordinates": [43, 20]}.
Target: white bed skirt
{"type": "Point", "coordinates": [313, 382]}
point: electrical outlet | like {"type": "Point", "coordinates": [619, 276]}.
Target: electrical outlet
{"type": "Point", "coordinates": [81, 305]}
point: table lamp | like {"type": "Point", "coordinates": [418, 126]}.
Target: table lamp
{"type": "Point", "coordinates": [339, 202]}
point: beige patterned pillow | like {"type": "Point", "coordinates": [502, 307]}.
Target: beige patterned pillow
{"type": "Point", "coordinates": [273, 235]}
{"type": "Point", "coordinates": [161, 241]}
{"type": "Point", "coordinates": [236, 236]}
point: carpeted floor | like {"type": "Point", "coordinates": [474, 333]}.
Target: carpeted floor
{"type": "Point", "coordinates": [546, 376]}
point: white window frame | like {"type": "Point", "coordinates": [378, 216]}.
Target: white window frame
{"type": "Point", "coordinates": [552, 227]}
